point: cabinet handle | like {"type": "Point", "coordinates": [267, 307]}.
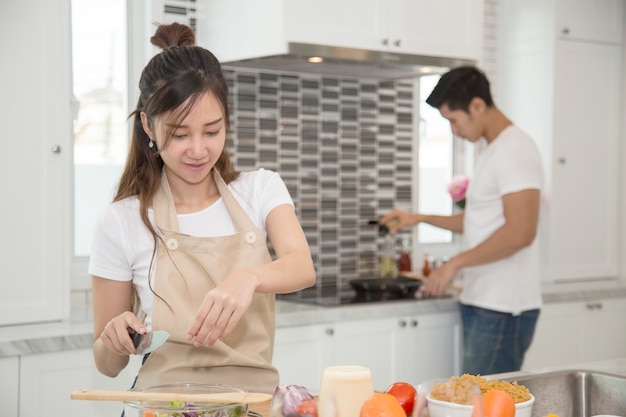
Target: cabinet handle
{"type": "Point", "coordinates": [562, 161]}
{"type": "Point", "coordinates": [386, 42]}
{"type": "Point", "coordinates": [565, 31]}
{"type": "Point", "coordinates": [56, 149]}
{"type": "Point", "coordinates": [330, 331]}
{"type": "Point", "coordinates": [398, 42]}
{"type": "Point", "coordinates": [594, 306]}
{"type": "Point", "coordinates": [414, 323]}
{"type": "Point", "coordinates": [402, 323]}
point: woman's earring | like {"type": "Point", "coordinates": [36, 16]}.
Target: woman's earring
{"type": "Point", "coordinates": [150, 144]}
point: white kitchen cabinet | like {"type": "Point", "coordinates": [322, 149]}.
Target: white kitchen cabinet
{"type": "Point", "coordinates": [372, 343]}
{"type": "Point", "coordinates": [583, 218]}
{"type": "Point", "coordinates": [604, 336]}
{"type": "Point", "coordinates": [47, 381]}
{"type": "Point", "coordinates": [566, 95]}
{"type": "Point", "coordinates": [251, 29]}
{"type": "Point", "coordinates": [302, 352]}
{"type": "Point", "coordinates": [36, 163]}
{"type": "Point", "coordinates": [445, 28]}
{"type": "Point", "coordinates": [558, 336]}
{"type": "Point", "coordinates": [577, 332]}
{"type": "Point", "coordinates": [9, 369]}
{"type": "Point", "coordinates": [429, 347]}
{"type": "Point", "coordinates": [411, 349]}
{"type": "Point", "coordinates": [598, 20]}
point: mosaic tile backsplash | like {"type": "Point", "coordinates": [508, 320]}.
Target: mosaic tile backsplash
{"type": "Point", "coordinates": [342, 145]}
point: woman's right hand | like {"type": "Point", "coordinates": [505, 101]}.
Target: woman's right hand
{"type": "Point", "coordinates": [116, 333]}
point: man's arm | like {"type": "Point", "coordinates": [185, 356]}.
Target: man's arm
{"type": "Point", "coordinates": [521, 213]}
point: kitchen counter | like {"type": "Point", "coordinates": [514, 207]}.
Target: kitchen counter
{"type": "Point", "coordinates": [59, 336]}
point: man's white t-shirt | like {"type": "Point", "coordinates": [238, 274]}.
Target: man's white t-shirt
{"type": "Point", "coordinates": [509, 164]}
{"type": "Point", "coordinates": [122, 246]}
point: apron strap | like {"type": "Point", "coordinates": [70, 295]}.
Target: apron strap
{"type": "Point", "coordinates": [240, 219]}
{"type": "Point", "coordinates": [166, 217]}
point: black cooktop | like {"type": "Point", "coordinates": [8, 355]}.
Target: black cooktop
{"type": "Point", "coordinates": [347, 299]}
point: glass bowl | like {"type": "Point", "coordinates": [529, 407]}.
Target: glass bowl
{"type": "Point", "coordinates": [180, 409]}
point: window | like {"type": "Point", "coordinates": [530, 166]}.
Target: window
{"type": "Point", "coordinates": [437, 149]}
{"type": "Point", "coordinates": [100, 84]}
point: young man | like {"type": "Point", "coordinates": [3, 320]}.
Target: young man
{"type": "Point", "coordinates": [501, 294]}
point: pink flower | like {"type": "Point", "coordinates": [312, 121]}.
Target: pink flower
{"type": "Point", "coordinates": [457, 189]}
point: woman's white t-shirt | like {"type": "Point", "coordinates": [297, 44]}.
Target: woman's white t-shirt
{"type": "Point", "coordinates": [509, 164]}
{"type": "Point", "coordinates": [122, 246]}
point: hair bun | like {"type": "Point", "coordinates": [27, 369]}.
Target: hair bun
{"type": "Point", "coordinates": [174, 34]}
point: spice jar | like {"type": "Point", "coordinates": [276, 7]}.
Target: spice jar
{"type": "Point", "coordinates": [387, 259]}
{"type": "Point", "coordinates": [404, 262]}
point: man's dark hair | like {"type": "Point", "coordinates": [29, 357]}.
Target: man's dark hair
{"type": "Point", "coordinates": [458, 87]}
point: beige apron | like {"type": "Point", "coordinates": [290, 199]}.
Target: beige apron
{"type": "Point", "coordinates": [187, 268]}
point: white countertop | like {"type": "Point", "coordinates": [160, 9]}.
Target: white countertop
{"type": "Point", "coordinates": [58, 336]}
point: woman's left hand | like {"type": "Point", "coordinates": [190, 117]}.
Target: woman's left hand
{"type": "Point", "coordinates": [222, 308]}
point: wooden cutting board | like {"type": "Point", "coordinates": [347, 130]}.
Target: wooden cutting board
{"type": "Point", "coordinates": [264, 409]}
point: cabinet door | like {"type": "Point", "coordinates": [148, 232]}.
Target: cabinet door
{"type": "Point", "coordinates": [557, 339]}
{"type": "Point", "coordinates": [370, 343]}
{"type": "Point", "coordinates": [444, 28]}
{"type": "Point", "coordinates": [47, 381]}
{"type": "Point", "coordinates": [301, 353]}
{"type": "Point", "coordinates": [242, 29]}
{"type": "Point", "coordinates": [429, 347]}
{"type": "Point", "coordinates": [597, 20]}
{"type": "Point", "coordinates": [348, 23]}
{"type": "Point", "coordinates": [36, 161]}
{"type": "Point", "coordinates": [583, 214]}
{"type": "Point", "coordinates": [9, 369]}
{"type": "Point", "coordinates": [604, 337]}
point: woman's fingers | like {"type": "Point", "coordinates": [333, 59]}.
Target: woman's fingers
{"type": "Point", "coordinates": [115, 334]}
{"type": "Point", "coordinates": [215, 319]}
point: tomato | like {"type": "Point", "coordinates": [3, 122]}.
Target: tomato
{"type": "Point", "coordinates": [381, 405]}
{"type": "Point", "coordinates": [307, 406]}
{"type": "Point", "coordinates": [497, 403]}
{"type": "Point", "coordinates": [405, 393]}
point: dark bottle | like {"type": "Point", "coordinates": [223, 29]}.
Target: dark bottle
{"type": "Point", "coordinates": [404, 262]}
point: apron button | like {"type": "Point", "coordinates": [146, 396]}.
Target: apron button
{"type": "Point", "coordinates": [250, 237]}
{"type": "Point", "coordinates": [172, 244]}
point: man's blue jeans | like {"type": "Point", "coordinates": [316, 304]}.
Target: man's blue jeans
{"type": "Point", "coordinates": [495, 342]}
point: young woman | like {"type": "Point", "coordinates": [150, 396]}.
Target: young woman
{"type": "Point", "coordinates": [183, 246]}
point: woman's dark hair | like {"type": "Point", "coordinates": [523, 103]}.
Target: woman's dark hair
{"type": "Point", "coordinates": [170, 83]}
{"type": "Point", "coordinates": [458, 87]}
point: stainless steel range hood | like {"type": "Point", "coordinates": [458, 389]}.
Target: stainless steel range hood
{"type": "Point", "coordinates": [349, 62]}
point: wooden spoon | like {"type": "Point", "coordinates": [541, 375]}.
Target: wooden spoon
{"type": "Point", "coordinates": [220, 397]}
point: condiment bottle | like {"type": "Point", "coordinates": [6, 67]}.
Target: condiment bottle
{"type": "Point", "coordinates": [387, 259]}
{"type": "Point", "coordinates": [426, 267]}
{"type": "Point", "coordinates": [404, 262]}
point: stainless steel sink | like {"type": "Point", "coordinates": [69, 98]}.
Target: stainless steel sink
{"type": "Point", "coordinates": [575, 393]}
